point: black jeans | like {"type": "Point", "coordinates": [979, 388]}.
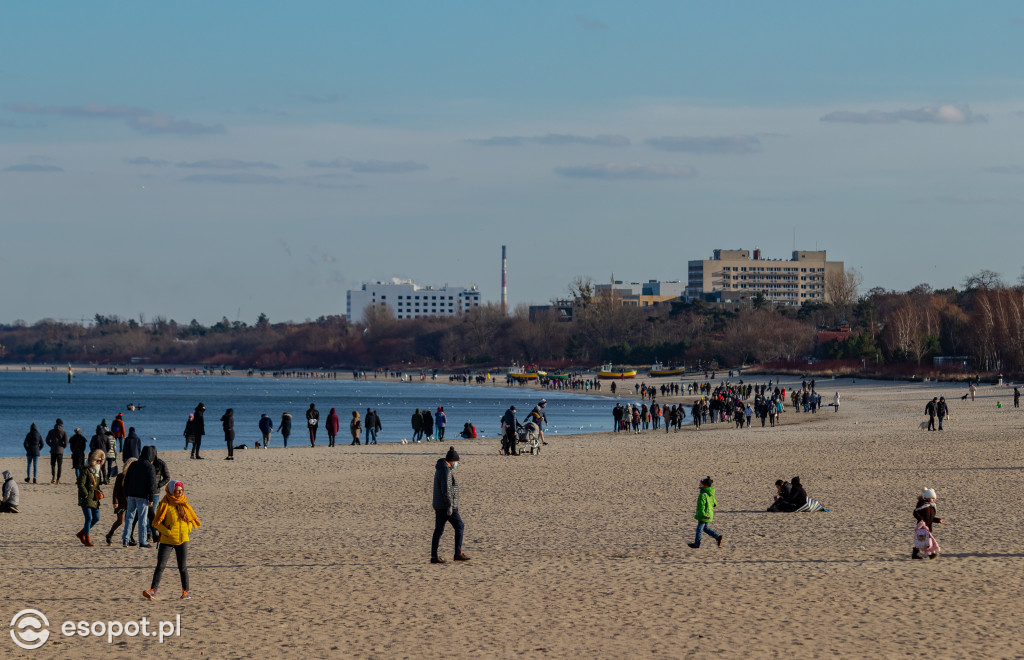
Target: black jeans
{"type": "Point", "coordinates": [229, 438]}
{"type": "Point", "coordinates": [56, 465]}
{"type": "Point", "coordinates": [162, 555]}
{"type": "Point", "coordinates": [196, 445]}
{"type": "Point", "coordinates": [440, 518]}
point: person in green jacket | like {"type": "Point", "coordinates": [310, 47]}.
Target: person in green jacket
{"type": "Point", "coordinates": [706, 504]}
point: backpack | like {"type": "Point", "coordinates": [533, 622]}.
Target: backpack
{"type": "Point", "coordinates": [923, 539]}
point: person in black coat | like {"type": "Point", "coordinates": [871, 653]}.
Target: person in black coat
{"type": "Point", "coordinates": [33, 445]}
{"type": "Point", "coordinates": [139, 485]}
{"type": "Point", "coordinates": [312, 422]}
{"type": "Point", "coordinates": [132, 446]}
{"type": "Point", "coordinates": [228, 422]}
{"type": "Point", "coordinates": [285, 427]}
{"type": "Point", "coordinates": [57, 441]}
{"type": "Point", "coordinates": [163, 477]}
{"type": "Point", "coordinates": [198, 428]}
{"type": "Point", "coordinates": [77, 445]}
{"type": "Point", "coordinates": [797, 494]}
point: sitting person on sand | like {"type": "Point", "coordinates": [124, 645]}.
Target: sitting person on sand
{"type": "Point", "coordinates": [781, 500]}
{"type": "Point", "coordinates": [793, 498]}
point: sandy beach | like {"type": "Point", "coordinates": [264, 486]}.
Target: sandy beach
{"type": "Point", "coordinates": [578, 552]}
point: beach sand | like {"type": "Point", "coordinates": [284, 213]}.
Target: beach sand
{"type": "Point", "coordinates": [579, 552]}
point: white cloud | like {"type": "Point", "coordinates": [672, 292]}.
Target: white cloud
{"type": "Point", "coordinates": [228, 164]}
{"type": "Point", "coordinates": [626, 171]}
{"type": "Point", "coordinates": [728, 144]}
{"type": "Point", "coordinates": [936, 114]}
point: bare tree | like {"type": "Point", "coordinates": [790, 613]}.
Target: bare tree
{"type": "Point", "coordinates": [841, 287]}
{"type": "Point", "coordinates": [985, 280]}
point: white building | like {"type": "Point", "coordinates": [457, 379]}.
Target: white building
{"type": "Point", "coordinates": [410, 301]}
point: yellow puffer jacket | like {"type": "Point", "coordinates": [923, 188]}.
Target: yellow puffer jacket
{"type": "Point", "coordinates": [173, 530]}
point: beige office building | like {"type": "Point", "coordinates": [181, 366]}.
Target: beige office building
{"type": "Point", "coordinates": [736, 274]}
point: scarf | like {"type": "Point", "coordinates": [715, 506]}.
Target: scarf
{"type": "Point", "coordinates": [181, 506]}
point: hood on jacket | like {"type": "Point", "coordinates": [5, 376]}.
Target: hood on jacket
{"type": "Point", "coordinates": [7, 475]}
{"type": "Point", "coordinates": [148, 453]}
{"type": "Point", "coordinates": [441, 464]}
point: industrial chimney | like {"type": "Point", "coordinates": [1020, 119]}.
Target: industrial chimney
{"type": "Point", "coordinates": [504, 282]}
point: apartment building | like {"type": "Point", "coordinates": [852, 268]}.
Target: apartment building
{"type": "Point", "coordinates": [735, 274]}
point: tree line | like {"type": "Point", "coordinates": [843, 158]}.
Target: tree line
{"type": "Point", "coordinates": [983, 323]}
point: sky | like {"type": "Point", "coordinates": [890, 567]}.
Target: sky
{"type": "Point", "coordinates": [198, 160]}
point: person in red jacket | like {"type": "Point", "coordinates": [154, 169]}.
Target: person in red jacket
{"type": "Point", "coordinates": [117, 428]}
{"type": "Point", "coordinates": [333, 424]}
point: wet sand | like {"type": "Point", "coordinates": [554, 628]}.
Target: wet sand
{"type": "Point", "coordinates": [579, 552]}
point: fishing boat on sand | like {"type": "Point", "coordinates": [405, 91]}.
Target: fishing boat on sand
{"type": "Point", "coordinates": [610, 371]}
{"type": "Point", "coordinates": [658, 369]}
{"type": "Point", "coordinates": [518, 372]}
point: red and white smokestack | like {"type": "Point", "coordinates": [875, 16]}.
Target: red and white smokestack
{"type": "Point", "coordinates": [504, 282]}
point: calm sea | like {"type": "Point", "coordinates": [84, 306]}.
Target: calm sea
{"type": "Point", "coordinates": [166, 402]}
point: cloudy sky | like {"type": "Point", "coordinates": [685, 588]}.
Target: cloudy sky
{"type": "Point", "coordinates": [210, 159]}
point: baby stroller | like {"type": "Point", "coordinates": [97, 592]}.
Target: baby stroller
{"type": "Point", "coordinates": [529, 439]}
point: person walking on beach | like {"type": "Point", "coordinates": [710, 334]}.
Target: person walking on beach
{"type": "Point", "coordinates": [77, 443]}
{"type": "Point", "coordinates": [118, 429]}
{"type": "Point", "coordinates": [332, 426]}
{"type": "Point", "coordinates": [1016, 397]}
{"type": "Point", "coordinates": [509, 426]}
{"type": "Point", "coordinates": [417, 426]}
{"type": "Point", "coordinates": [189, 438]}
{"type": "Point", "coordinates": [285, 427]}
{"type": "Point", "coordinates": [227, 421]}
{"type": "Point", "coordinates": [132, 447]}
{"type": "Point", "coordinates": [174, 519]}
{"type": "Point", "coordinates": [446, 505]}
{"type": "Point", "coordinates": [537, 415]}
{"type": "Point", "coordinates": [266, 429]}
{"type": "Point", "coordinates": [312, 420]}
{"type": "Point", "coordinates": [440, 421]}
{"type": "Point", "coordinates": [942, 410]}
{"type": "Point", "coordinates": [198, 428]}
{"type": "Point", "coordinates": [9, 496]}
{"type": "Point", "coordinates": [57, 441]}
{"type": "Point", "coordinates": [924, 514]}
{"type": "Point", "coordinates": [162, 477]}
{"type": "Point", "coordinates": [33, 445]}
{"type": "Point", "coordinates": [120, 504]}
{"type": "Point", "coordinates": [372, 424]}
{"type": "Point", "coordinates": [428, 424]}
{"type": "Point", "coordinates": [99, 441]}
{"type": "Point", "coordinates": [111, 466]}
{"type": "Point", "coordinates": [139, 484]}
{"type": "Point", "coordinates": [706, 504]}
{"type": "Point", "coordinates": [355, 427]}
{"type": "Point", "coordinates": [931, 409]}
{"type": "Point", "coordinates": [89, 496]}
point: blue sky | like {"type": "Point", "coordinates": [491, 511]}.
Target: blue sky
{"type": "Point", "coordinates": [200, 160]}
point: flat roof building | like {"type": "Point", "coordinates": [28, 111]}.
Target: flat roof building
{"type": "Point", "coordinates": [785, 282]}
{"type": "Point", "coordinates": [642, 294]}
{"type": "Point", "coordinates": [410, 301]}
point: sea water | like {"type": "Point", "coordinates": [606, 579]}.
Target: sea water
{"type": "Point", "coordinates": [165, 402]}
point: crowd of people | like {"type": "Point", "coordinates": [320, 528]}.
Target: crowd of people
{"type": "Point", "coordinates": [723, 403]}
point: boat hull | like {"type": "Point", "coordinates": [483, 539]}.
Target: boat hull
{"type": "Point", "coordinates": [617, 374]}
